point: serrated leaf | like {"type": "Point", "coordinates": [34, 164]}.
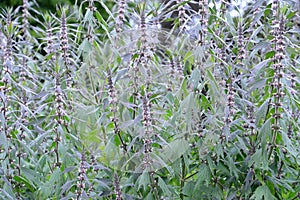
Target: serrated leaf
{"type": "Point", "coordinates": [144, 180]}
{"type": "Point", "coordinates": [164, 187]}
{"type": "Point", "coordinates": [262, 193]}
{"type": "Point", "coordinates": [204, 175]}
{"type": "Point", "coordinates": [171, 152]}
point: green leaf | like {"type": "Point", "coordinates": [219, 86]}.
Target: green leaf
{"type": "Point", "coordinates": [171, 152]}
{"type": "Point", "coordinates": [259, 159]}
{"type": "Point", "coordinates": [265, 131]}
{"type": "Point", "coordinates": [144, 180]}
{"type": "Point", "coordinates": [7, 191]}
{"type": "Point", "coordinates": [188, 190]}
{"type": "Point", "coordinates": [48, 188]}
{"type": "Point", "coordinates": [291, 14]}
{"type": "Point", "coordinates": [26, 182]}
{"type": "Point", "coordinates": [270, 54]}
{"type": "Point", "coordinates": [232, 167]}
{"type": "Point", "coordinates": [262, 111]}
{"type": "Point", "coordinates": [32, 175]}
{"type": "Point", "coordinates": [262, 193]}
{"type": "Point", "coordinates": [164, 187]}
{"type": "Point", "coordinates": [259, 66]}
{"type": "Point", "coordinates": [204, 175]}
{"type": "Point", "coordinates": [103, 24]}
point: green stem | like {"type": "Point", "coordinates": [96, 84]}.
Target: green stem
{"type": "Point", "coordinates": [182, 180]}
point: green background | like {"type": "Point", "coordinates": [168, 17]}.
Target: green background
{"type": "Point", "coordinates": [44, 4]}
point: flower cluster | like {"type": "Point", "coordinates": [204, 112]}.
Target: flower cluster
{"type": "Point", "coordinates": [12, 160]}
{"type": "Point", "coordinates": [175, 66]}
{"type": "Point", "coordinates": [147, 123]}
{"type": "Point", "coordinates": [90, 31]}
{"type": "Point", "coordinates": [49, 39]}
{"type": "Point", "coordinates": [144, 54]}
{"type": "Point", "coordinates": [274, 8]}
{"type": "Point", "coordinates": [242, 53]}
{"type": "Point", "coordinates": [230, 107]}
{"type": "Point", "coordinates": [118, 191]}
{"type": "Point", "coordinates": [278, 68]}
{"type": "Point", "coordinates": [60, 115]}
{"type": "Point", "coordinates": [94, 163]}
{"type": "Point", "coordinates": [8, 64]}
{"type": "Point", "coordinates": [120, 15]}
{"type": "Point", "coordinates": [179, 67]}
{"type": "Point", "coordinates": [24, 67]}
{"type": "Point", "coordinates": [221, 55]}
{"type": "Point", "coordinates": [25, 16]}
{"type": "Point", "coordinates": [60, 111]}
{"type": "Point", "coordinates": [203, 14]}
{"type": "Point", "coordinates": [64, 45]}
{"type": "Point", "coordinates": [172, 72]}
{"type": "Point", "coordinates": [113, 109]}
{"type": "Point", "coordinates": [81, 177]}
{"type": "Point", "coordinates": [91, 6]}
{"type": "Point", "coordinates": [64, 39]}
{"type": "Point", "coordinates": [224, 7]}
{"type": "Point", "coordinates": [250, 124]}
{"type": "Point", "coordinates": [182, 16]}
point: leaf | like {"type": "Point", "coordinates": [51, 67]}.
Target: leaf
{"type": "Point", "coordinates": [47, 188]}
{"type": "Point", "coordinates": [67, 186]}
{"type": "Point", "coordinates": [270, 54]}
{"type": "Point", "coordinates": [262, 111]}
{"type": "Point", "coordinates": [262, 193]}
{"type": "Point", "coordinates": [216, 36]}
{"type": "Point", "coordinates": [32, 175]}
{"type": "Point", "coordinates": [265, 131]}
{"type": "Point", "coordinates": [259, 66]}
{"type": "Point", "coordinates": [88, 16]}
{"type": "Point", "coordinates": [144, 180]}
{"type": "Point", "coordinates": [103, 24]}
{"type": "Point", "coordinates": [259, 46]}
{"type": "Point", "coordinates": [214, 89]}
{"type": "Point", "coordinates": [259, 159]}
{"type": "Point", "coordinates": [85, 47]}
{"type": "Point", "coordinates": [120, 73]}
{"type": "Point", "coordinates": [26, 182]}
{"type": "Point", "coordinates": [188, 190]}
{"type": "Point", "coordinates": [204, 175]}
{"type": "Point", "coordinates": [171, 152]}
{"type": "Point", "coordinates": [195, 78]}
{"type": "Point", "coordinates": [232, 168]}
{"type": "Point", "coordinates": [8, 191]}
{"type": "Point", "coordinates": [164, 187]}
{"type": "Point", "coordinates": [188, 104]}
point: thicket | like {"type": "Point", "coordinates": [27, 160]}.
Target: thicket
{"type": "Point", "coordinates": [106, 104]}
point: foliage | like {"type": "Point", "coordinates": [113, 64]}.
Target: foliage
{"type": "Point", "coordinates": [43, 5]}
{"type": "Point", "coordinates": [107, 104]}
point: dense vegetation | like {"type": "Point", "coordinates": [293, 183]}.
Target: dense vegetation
{"type": "Point", "coordinates": [106, 104]}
